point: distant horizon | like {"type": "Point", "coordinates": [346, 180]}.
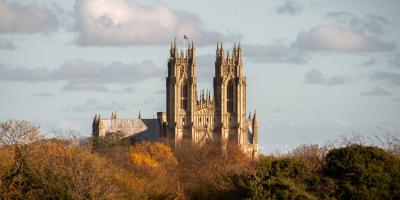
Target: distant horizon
{"type": "Point", "coordinates": [316, 70]}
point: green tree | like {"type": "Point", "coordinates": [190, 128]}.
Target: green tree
{"type": "Point", "coordinates": [363, 172]}
{"type": "Point", "coordinates": [279, 178]}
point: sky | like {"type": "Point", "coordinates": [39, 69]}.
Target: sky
{"type": "Point", "coordinates": [316, 70]}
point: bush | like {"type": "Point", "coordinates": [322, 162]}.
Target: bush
{"type": "Point", "coordinates": [206, 173]}
{"type": "Point", "coordinates": [280, 178]}
{"type": "Point", "coordinates": [363, 172]}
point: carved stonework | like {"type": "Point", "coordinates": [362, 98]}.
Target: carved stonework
{"type": "Point", "coordinates": [199, 116]}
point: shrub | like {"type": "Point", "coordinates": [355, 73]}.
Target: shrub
{"type": "Point", "coordinates": [279, 178]}
{"type": "Point", "coordinates": [363, 172]}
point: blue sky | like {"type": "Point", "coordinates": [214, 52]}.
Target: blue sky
{"type": "Point", "coordinates": [316, 70]}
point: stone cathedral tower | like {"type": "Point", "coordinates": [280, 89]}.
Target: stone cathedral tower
{"type": "Point", "coordinates": [221, 117]}
{"type": "Point", "coordinates": [198, 116]}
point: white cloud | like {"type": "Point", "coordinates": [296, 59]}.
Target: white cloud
{"type": "Point", "coordinates": [325, 38]}
{"type": "Point", "coordinates": [86, 75]}
{"type": "Point", "coordinates": [119, 22]}
{"type": "Point", "coordinates": [31, 18]}
{"type": "Point", "coordinates": [377, 91]}
{"type": "Point", "coordinates": [369, 24]}
{"type": "Point", "coordinates": [291, 7]}
{"type": "Point", "coordinates": [317, 78]}
{"type": "Point", "coordinates": [338, 39]}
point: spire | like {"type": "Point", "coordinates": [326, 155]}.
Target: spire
{"type": "Point", "coordinates": [140, 115]}
{"type": "Point", "coordinates": [96, 119]}
{"type": "Point", "coordinates": [239, 52]}
{"type": "Point", "coordinates": [209, 95]}
{"type": "Point", "coordinates": [234, 51]}
{"type": "Point", "coordinates": [249, 115]}
{"type": "Point", "coordinates": [221, 50]}
{"type": "Point", "coordinates": [193, 55]}
{"type": "Point", "coordinates": [173, 50]}
{"type": "Point", "coordinates": [255, 129]}
{"type": "Point", "coordinates": [101, 123]}
{"type": "Point", "coordinates": [255, 121]}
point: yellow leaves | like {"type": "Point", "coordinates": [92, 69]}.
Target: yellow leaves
{"type": "Point", "coordinates": [58, 150]}
{"type": "Point", "coordinates": [6, 159]}
{"type": "Point", "coordinates": [153, 155]}
{"type": "Point", "coordinates": [142, 159]}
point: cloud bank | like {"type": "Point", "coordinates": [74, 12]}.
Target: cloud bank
{"type": "Point", "coordinates": [377, 91]}
{"type": "Point", "coordinates": [31, 18]}
{"type": "Point", "coordinates": [315, 77]}
{"type": "Point", "coordinates": [290, 7]}
{"type": "Point", "coordinates": [84, 75]}
{"type": "Point", "coordinates": [331, 38]}
{"type": "Point", "coordinates": [390, 78]}
{"type": "Point", "coordinates": [120, 23]}
{"type": "Point", "coordinates": [369, 24]}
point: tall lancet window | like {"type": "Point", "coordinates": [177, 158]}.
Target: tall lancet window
{"type": "Point", "coordinates": [184, 97]}
{"type": "Point", "coordinates": [230, 96]}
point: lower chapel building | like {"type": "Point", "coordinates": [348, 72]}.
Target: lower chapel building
{"type": "Point", "coordinates": [220, 116]}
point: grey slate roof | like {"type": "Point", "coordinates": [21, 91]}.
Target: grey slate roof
{"type": "Point", "coordinates": [136, 129]}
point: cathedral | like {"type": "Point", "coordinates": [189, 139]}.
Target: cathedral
{"type": "Point", "coordinates": [219, 116]}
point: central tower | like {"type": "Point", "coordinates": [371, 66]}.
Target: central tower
{"type": "Point", "coordinates": [221, 117]}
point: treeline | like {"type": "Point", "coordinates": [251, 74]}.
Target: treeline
{"type": "Point", "coordinates": [32, 167]}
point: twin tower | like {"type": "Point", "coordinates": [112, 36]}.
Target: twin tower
{"type": "Point", "coordinates": [220, 116]}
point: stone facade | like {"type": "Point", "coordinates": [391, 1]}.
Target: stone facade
{"type": "Point", "coordinates": [218, 116]}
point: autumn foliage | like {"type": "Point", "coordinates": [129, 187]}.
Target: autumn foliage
{"type": "Point", "coordinates": [32, 167]}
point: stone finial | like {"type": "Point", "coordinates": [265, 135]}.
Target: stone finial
{"type": "Point", "coordinates": [255, 121]}
{"type": "Point", "coordinates": [140, 114]}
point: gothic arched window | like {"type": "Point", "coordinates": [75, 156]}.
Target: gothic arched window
{"type": "Point", "coordinates": [184, 96]}
{"type": "Point", "coordinates": [230, 96]}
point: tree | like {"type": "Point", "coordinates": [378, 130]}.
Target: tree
{"type": "Point", "coordinates": [279, 178]}
{"type": "Point", "coordinates": [363, 172]}
{"type": "Point", "coordinates": [17, 133]}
